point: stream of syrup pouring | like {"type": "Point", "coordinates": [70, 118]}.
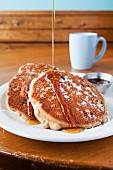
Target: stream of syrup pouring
{"type": "Point", "coordinates": [35, 122]}
{"type": "Point", "coordinates": [53, 32]}
{"type": "Point", "coordinates": [69, 130]}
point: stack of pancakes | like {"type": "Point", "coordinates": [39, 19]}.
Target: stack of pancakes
{"type": "Point", "coordinates": [56, 98]}
{"type": "Point", "coordinates": [19, 87]}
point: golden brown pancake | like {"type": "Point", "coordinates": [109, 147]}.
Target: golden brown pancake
{"type": "Point", "coordinates": [17, 95]}
{"type": "Point", "coordinates": [62, 100]}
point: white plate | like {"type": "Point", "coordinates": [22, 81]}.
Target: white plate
{"type": "Point", "coordinates": [11, 122]}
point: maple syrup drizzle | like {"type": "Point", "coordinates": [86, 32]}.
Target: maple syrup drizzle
{"type": "Point", "coordinates": [73, 130]}
{"type": "Point", "coordinates": [64, 105]}
{"type": "Point", "coordinates": [54, 82]}
{"type": "Point", "coordinates": [53, 31]}
{"type": "Point", "coordinates": [33, 122]}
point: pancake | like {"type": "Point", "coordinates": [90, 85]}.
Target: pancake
{"type": "Point", "coordinates": [62, 100]}
{"type": "Point", "coordinates": [17, 95]}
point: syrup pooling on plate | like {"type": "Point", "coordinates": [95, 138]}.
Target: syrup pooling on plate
{"type": "Point", "coordinates": [73, 130]}
{"type": "Point", "coordinates": [33, 122]}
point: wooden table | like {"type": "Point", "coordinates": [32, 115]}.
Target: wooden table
{"type": "Point", "coordinates": [21, 153]}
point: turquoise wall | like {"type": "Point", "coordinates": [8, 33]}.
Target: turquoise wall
{"type": "Point", "coordinates": [60, 4]}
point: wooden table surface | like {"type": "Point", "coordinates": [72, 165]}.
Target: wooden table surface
{"type": "Point", "coordinates": [21, 153]}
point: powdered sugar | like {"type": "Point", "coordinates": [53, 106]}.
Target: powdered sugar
{"type": "Point", "coordinates": [77, 87]}
{"type": "Point", "coordinates": [83, 103]}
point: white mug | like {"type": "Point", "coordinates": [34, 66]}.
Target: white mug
{"type": "Point", "coordinates": [82, 48]}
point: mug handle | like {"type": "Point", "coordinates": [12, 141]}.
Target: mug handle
{"type": "Point", "coordinates": [104, 45]}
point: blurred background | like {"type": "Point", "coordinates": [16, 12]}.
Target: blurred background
{"type": "Point", "coordinates": [26, 30]}
{"type": "Point", "coordinates": [60, 5]}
